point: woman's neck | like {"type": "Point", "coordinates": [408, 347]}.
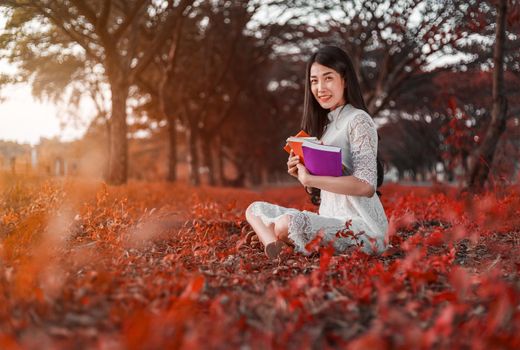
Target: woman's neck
{"type": "Point", "coordinates": [340, 104]}
{"type": "Point", "coordinates": [337, 106]}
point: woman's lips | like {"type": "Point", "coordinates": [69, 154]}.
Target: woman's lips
{"type": "Point", "coordinates": [325, 98]}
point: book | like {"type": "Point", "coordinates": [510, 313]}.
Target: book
{"type": "Point", "coordinates": [301, 139]}
{"type": "Point", "coordinates": [322, 160]}
{"type": "Point", "coordinates": [294, 143]}
{"type": "Point", "coordinates": [301, 133]}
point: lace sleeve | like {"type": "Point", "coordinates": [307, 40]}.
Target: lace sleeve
{"type": "Point", "coordinates": [363, 145]}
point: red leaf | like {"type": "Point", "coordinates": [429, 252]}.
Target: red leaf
{"type": "Point", "coordinates": [314, 243]}
{"type": "Point", "coordinates": [443, 324]}
{"type": "Point", "coordinates": [325, 256]}
{"type": "Point", "coordinates": [193, 289]}
{"type": "Point", "coordinates": [369, 341]}
{"type": "Point", "coordinates": [444, 296]}
{"type": "Point", "coordinates": [461, 281]}
{"type": "Point", "coordinates": [452, 104]}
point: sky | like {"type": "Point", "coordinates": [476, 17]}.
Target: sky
{"type": "Point", "coordinates": [25, 120]}
{"type": "Point", "coordinates": [22, 118]}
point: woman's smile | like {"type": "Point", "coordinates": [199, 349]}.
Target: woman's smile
{"type": "Point", "coordinates": [324, 98]}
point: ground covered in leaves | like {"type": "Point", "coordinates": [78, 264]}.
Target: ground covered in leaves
{"type": "Point", "coordinates": [83, 265]}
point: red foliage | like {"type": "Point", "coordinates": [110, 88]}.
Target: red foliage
{"type": "Point", "coordinates": [167, 266]}
{"type": "Point", "coordinates": [460, 136]}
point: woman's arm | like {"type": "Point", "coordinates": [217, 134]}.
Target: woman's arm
{"type": "Point", "coordinates": [348, 185]}
{"type": "Point", "coordinates": [363, 181]}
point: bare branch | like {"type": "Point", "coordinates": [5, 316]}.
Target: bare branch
{"type": "Point", "coordinates": [85, 11]}
{"type": "Point", "coordinates": [169, 24]}
{"type": "Point", "coordinates": [105, 12]}
{"type": "Point", "coordinates": [129, 19]}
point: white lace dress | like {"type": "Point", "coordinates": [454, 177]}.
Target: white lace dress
{"type": "Point", "coordinates": [354, 131]}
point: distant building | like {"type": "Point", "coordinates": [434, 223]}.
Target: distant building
{"type": "Point", "coordinates": [15, 157]}
{"type": "Point", "coordinates": [54, 158]}
{"type": "Point", "coordinates": [76, 158]}
{"type": "Point", "coordinates": [88, 157]}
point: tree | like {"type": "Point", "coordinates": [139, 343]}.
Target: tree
{"type": "Point", "coordinates": [197, 86]}
{"type": "Point", "coordinates": [113, 34]}
{"type": "Point", "coordinates": [412, 144]}
{"type": "Point", "coordinates": [394, 46]}
{"type": "Point", "coordinates": [482, 159]}
{"type": "Point", "coordinates": [392, 43]}
{"type": "Point", "coordinates": [217, 60]}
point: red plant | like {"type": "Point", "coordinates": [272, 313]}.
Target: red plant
{"type": "Point", "coordinates": [166, 266]}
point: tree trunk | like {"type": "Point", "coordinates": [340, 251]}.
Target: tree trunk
{"type": "Point", "coordinates": [483, 158]}
{"type": "Point", "coordinates": [106, 169]}
{"type": "Point", "coordinates": [172, 155]}
{"type": "Point", "coordinates": [255, 175]}
{"type": "Point", "coordinates": [220, 160]}
{"type": "Point", "coordinates": [465, 156]}
{"type": "Point", "coordinates": [193, 155]}
{"type": "Point", "coordinates": [208, 159]}
{"type": "Point", "coordinates": [118, 163]}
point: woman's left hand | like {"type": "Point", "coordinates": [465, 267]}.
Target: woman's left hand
{"type": "Point", "coordinates": [303, 174]}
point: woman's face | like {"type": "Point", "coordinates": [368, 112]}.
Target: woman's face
{"type": "Point", "coordinates": [327, 86]}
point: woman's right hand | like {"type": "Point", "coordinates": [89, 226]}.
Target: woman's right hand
{"type": "Point", "coordinates": [291, 164]}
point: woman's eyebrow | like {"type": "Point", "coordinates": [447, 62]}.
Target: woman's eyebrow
{"type": "Point", "coordinates": [324, 74]}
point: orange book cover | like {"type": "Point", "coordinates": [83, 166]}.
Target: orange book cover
{"type": "Point", "coordinates": [296, 146]}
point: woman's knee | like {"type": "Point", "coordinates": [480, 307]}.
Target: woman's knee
{"type": "Point", "coordinates": [281, 226]}
{"type": "Point", "coordinates": [249, 211]}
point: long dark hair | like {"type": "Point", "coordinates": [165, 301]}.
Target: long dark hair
{"type": "Point", "coordinates": [315, 117]}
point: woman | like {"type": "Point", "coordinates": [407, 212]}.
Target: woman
{"type": "Point", "coordinates": [334, 112]}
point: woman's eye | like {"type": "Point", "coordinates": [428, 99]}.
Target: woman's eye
{"type": "Point", "coordinates": [314, 81]}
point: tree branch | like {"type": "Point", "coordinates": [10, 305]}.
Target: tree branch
{"type": "Point", "coordinates": [76, 36]}
{"type": "Point", "coordinates": [105, 12]}
{"type": "Point", "coordinates": [128, 20]}
{"type": "Point", "coordinates": [86, 11]}
{"type": "Point", "coordinates": [161, 37]}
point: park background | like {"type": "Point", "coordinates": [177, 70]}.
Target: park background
{"type": "Point", "coordinates": [126, 226]}
{"type": "Point", "coordinates": [208, 92]}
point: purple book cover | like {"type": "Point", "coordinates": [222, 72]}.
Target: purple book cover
{"type": "Point", "coordinates": [322, 160]}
